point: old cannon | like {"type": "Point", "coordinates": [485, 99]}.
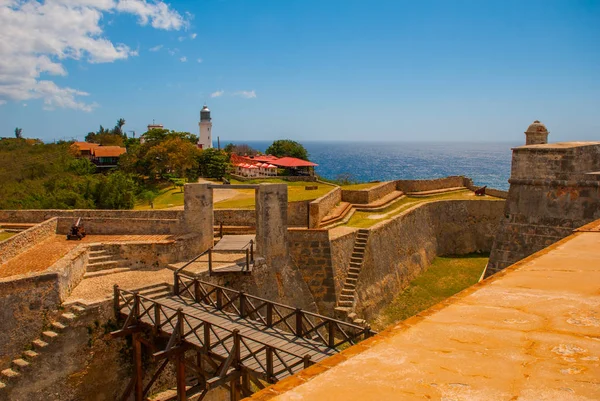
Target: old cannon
{"type": "Point", "coordinates": [77, 232]}
{"type": "Point", "coordinates": [480, 191]}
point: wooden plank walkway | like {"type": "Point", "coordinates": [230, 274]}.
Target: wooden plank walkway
{"type": "Point", "coordinates": [234, 243]}
{"type": "Point", "coordinates": [255, 336]}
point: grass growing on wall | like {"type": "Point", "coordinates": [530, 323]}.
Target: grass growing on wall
{"type": "Point", "coordinates": [445, 277]}
{"type": "Point", "coordinates": [4, 235]}
{"type": "Point", "coordinates": [368, 219]}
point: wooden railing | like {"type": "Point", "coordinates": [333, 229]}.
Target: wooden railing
{"type": "Point", "coordinates": [235, 349]}
{"type": "Point", "coordinates": [328, 331]}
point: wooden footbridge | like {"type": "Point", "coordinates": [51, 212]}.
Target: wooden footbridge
{"type": "Point", "coordinates": [223, 337]}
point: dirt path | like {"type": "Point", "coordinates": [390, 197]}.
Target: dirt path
{"type": "Point", "coordinates": [218, 195]}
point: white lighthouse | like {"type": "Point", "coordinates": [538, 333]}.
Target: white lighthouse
{"type": "Point", "coordinates": [205, 124]}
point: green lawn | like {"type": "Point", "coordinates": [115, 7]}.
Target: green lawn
{"type": "Point", "coordinates": [445, 277]}
{"type": "Point", "coordinates": [4, 235]}
{"type": "Point", "coordinates": [368, 219]}
{"type": "Point", "coordinates": [170, 197]}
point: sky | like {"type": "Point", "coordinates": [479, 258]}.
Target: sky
{"type": "Point", "coordinates": [306, 70]}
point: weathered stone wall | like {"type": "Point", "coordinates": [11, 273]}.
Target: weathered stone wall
{"type": "Point", "coordinates": [310, 251]}
{"type": "Point", "coordinates": [342, 242]}
{"type": "Point", "coordinates": [368, 195]}
{"type": "Point", "coordinates": [11, 247]}
{"type": "Point", "coordinates": [401, 248]}
{"type": "Point", "coordinates": [39, 215]}
{"type": "Point", "coordinates": [320, 207]}
{"type": "Point", "coordinates": [298, 214]}
{"type": "Point", "coordinates": [24, 304]}
{"type": "Point", "coordinates": [552, 192]}
{"type": "Point", "coordinates": [430, 185]}
{"type": "Point", "coordinates": [122, 226]}
{"type": "Point", "coordinates": [271, 223]}
{"type": "Point", "coordinates": [235, 217]}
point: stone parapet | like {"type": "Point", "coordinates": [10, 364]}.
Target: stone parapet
{"type": "Point", "coordinates": [319, 208]}
{"type": "Point", "coordinates": [368, 195]}
{"type": "Point", "coordinates": [24, 240]}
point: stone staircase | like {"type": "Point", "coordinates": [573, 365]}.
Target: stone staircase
{"type": "Point", "coordinates": [30, 357]}
{"type": "Point", "coordinates": [345, 308]}
{"type": "Point", "coordinates": [102, 262]}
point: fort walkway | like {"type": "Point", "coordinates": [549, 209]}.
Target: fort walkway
{"type": "Point", "coordinates": [530, 332]}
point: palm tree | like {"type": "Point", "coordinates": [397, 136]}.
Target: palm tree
{"type": "Point", "coordinates": [119, 126]}
{"type": "Point", "coordinates": [18, 133]}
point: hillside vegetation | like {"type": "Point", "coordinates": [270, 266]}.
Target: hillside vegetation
{"type": "Point", "coordinates": [34, 175]}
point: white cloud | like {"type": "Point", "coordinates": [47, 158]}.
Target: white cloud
{"type": "Point", "coordinates": [181, 38]}
{"type": "Point", "coordinates": [183, 59]}
{"type": "Point", "coordinates": [217, 93]}
{"type": "Point", "coordinates": [156, 48]}
{"type": "Point", "coordinates": [199, 60]}
{"type": "Point", "coordinates": [245, 94]}
{"type": "Point", "coordinates": [193, 35]}
{"type": "Point", "coordinates": [2, 102]}
{"type": "Point", "coordinates": [37, 36]}
{"type": "Point", "coordinates": [173, 51]}
{"type": "Point", "coordinates": [24, 104]}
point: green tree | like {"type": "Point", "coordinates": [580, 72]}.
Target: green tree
{"type": "Point", "coordinates": [18, 133]}
{"type": "Point", "coordinates": [287, 147]}
{"type": "Point", "coordinates": [116, 191]}
{"type": "Point", "coordinates": [172, 156]}
{"type": "Point", "coordinates": [118, 130]}
{"type": "Point", "coordinates": [214, 163]}
{"type": "Point", "coordinates": [241, 149]}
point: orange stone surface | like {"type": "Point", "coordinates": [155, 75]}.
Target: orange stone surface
{"type": "Point", "coordinates": [529, 333]}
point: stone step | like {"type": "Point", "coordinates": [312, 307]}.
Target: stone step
{"type": "Point", "coordinates": [345, 303]}
{"type": "Point", "coordinates": [347, 292]}
{"type": "Point", "coordinates": [359, 322]}
{"type": "Point", "coordinates": [162, 294]}
{"type": "Point", "coordinates": [349, 286]}
{"type": "Point", "coordinates": [356, 260]}
{"type": "Point", "coordinates": [347, 298]}
{"type": "Point", "coordinates": [351, 280]}
{"type": "Point", "coordinates": [363, 231]}
{"type": "Point", "coordinates": [68, 317]}
{"type": "Point", "coordinates": [58, 326]}
{"type": "Point", "coordinates": [49, 335]}
{"type": "Point", "coordinates": [20, 364]}
{"type": "Point", "coordinates": [77, 308]}
{"type": "Point", "coordinates": [101, 251]}
{"type": "Point", "coordinates": [357, 255]}
{"type": "Point", "coordinates": [150, 291]}
{"type": "Point", "coordinates": [352, 275]}
{"type": "Point", "coordinates": [360, 248]}
{"type": "Point", "coordinates": [94, 267]}
{"type": "Point", "coordinates": [30, 354]}
{"type": "Point", "coordinates": [101, 258]}
{"type": "Point", "coordinates": [352, 316]}
{"type": "Point", "coordinates": [106, 272]}
{"type": "Point", "coordinates": [354, 270]}
{"type": "Point", "coordinates": [2, 385]}
{"type": "Point", "coordinates": [39, 344]}
{"type": "Point", "coordinates": [355, 264]}
{"type": "Point", "coordinates": [97, 248]}
{"type": "Point", "coordinates": [9, 374]}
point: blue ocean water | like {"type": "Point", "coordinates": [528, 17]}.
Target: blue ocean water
{"type": "Point", "coordinates": [486, 163]}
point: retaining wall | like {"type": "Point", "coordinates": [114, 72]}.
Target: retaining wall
{"type": "Point", "coordinates": [298, 213]}
{"type": "Point", "coordinates": [11, 247]}
{"type": "Point", "coordinates": [368, 195]}
{"type": "Point", "coordinates": [310, 251]}
{"type": "Point", "coordinates": [430, 185]}
{"type": "Point", "coordinates": [235, 217]}
{"type": "Point", "coordinates": [398, 250]}
{"type": "Point", "coordinates": [319, 208]}
{"type": "Point", "coordinates": [39, 215]}
{"type": "Point", "coordinates": [27, 302]}
{"type": "Point", "coordinates": [121, 226]}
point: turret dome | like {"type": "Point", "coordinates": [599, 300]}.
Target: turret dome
{"type": "Point", "coordinates": [536, 127]}
{"type": "Point", "coordinates": [536, 134]}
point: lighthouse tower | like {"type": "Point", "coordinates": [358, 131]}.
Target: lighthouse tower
{"type": "Point", "coordinates": [205, 124]}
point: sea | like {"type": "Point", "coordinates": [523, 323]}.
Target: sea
{"type": "Point", "coordinates": [487, 163]}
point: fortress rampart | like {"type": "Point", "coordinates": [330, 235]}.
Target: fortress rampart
{"type": "Point", "coordinates": [554, 189]}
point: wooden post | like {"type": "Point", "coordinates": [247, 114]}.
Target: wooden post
{"type": "Point", "coordinates": [221, 229]}
{"type": "Point", "coordinates": [181, 394]}
{"type": "Point", "coordinates": [242, 304]}
{"type": "Point", "coordinates": [196, 290]}
{"type": "Point", "coordinates": [307, 361]}
{"type": "Point", "coordinates": [206, 345]}
{"type": "Point", "coordinates": [252, 251]}
{"type": "Point", "coordinates": [139, 370]}
{"type": "Point", "coordinates": [180, 327]}
{"type": "Point", "coordinates": [209, 262]}
{"type": "Point", "coordinates": [269, 314]}
{"type": "Point", "coordinates": [269, 358]}
{"type": "Point", "coordinates": [331, 334]}
{"type": "Point", "coordinates": [136, 306]}
{"type": "Point", "coordinates": [299, 322]}
{"type": "Point", "coordinates": [175, 284]}
{"type": "Point", "coordinates": [247, 259]}
{"type": "Point", "coordinates": [156, 318]}
{"type": "Point", "coordinates": [237, 348]}
{"type": "Point", "coordinates": [116, 305]}
{"type": "Point", "coordinates": [219, 298]}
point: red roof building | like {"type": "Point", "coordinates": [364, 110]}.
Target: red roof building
{"type": "Point", "coordinates": [266, 166]}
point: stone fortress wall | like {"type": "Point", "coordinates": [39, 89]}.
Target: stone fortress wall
{"type": "Point", "coordinates": [554, 189]}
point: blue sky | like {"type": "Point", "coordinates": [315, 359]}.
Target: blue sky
{"type": "Point", "coordinates": [306, 70]}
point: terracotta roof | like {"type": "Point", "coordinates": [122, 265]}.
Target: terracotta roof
{"type": "Point", "coordinates": [85, 145]}
{"type": "Point", "coordinates": [108, 151]}
{"type": "Point", "coordinates": [292, 162]}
